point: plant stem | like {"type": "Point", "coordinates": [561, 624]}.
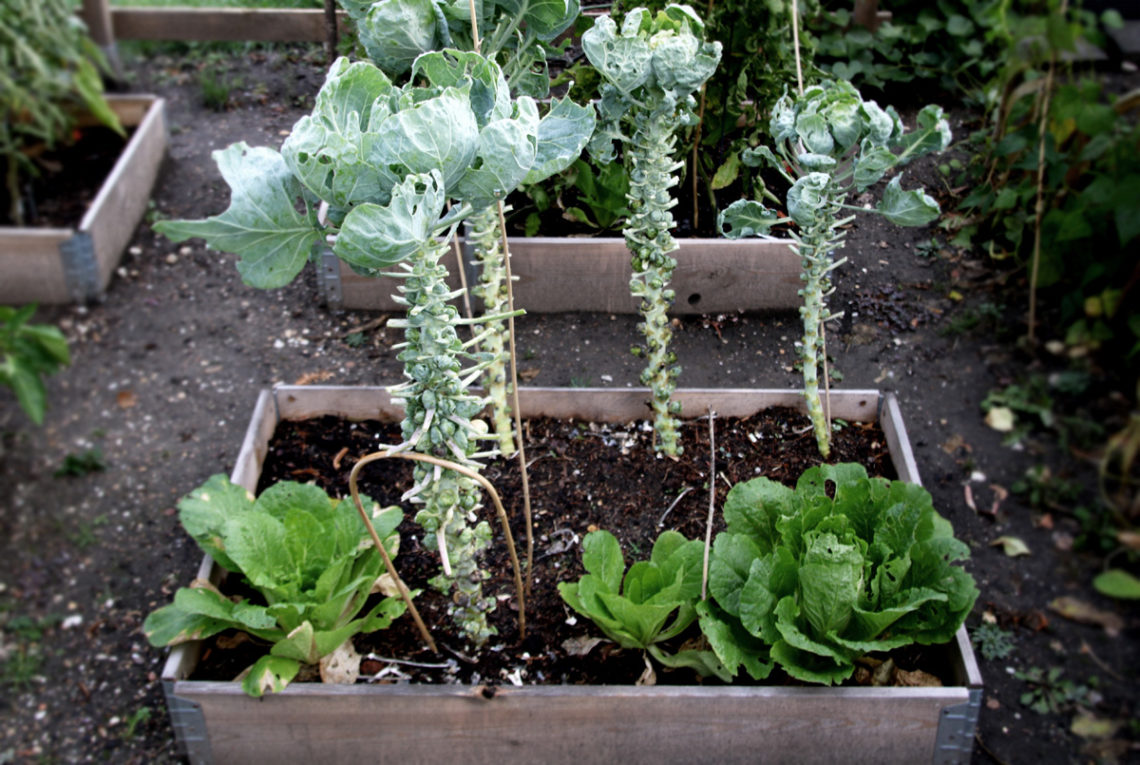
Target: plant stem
{"type": "Point", "coordinates": [493, 291]}
{"type": "Point", "coordinates": [649, 241]}
{"type": "Point", "coordinates": [815, 248]}
{"type": "Point", "coordinates": [528, 516]}
{"type": "Point", "coordinates": [432, 362]}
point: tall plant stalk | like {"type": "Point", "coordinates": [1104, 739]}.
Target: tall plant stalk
{"type": "Point", "coordinates": [651, 70]}
{"type": "Point", "coordinates": [440, 420]}
{"type": "Point", "coordinates": [830, 142]}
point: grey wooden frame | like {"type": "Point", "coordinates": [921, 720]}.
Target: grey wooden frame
{"type": "Point", "coordinates": [216, 722]}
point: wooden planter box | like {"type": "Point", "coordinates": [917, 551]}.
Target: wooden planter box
{"type": "Point", "coordinates": [307, 723]}
{"type": "Point", "coordinates": [558, 275]}
{"type": "Point", "coordinates": [60, 265]}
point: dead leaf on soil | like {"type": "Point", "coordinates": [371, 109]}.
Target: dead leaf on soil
{"type": "Point", "coordinates": [1130, 539]}
{"type": "Point", "coordinates": [1011, 546]}
{"type": "Point", "coordinates": [954, 443]}
{"type": "Point", "coordinates": [228, 642]}
{"type": "Point", "coordinates": [916, 679]}
{"type": "Point", "coordinates": [1079, 611]}
{"type": "Point", "coordinates": [1063, 541]}
{"type": "Point", "coordinates": [1088, 725]}
{"type": "Point", "coordinates": [580, 646]}
{"type": "Point", "coordinates": [126, 399]}
{"type": "Point", "coordinates": [342, 666]}
{"type": "Point", "coordinates": [526, 375]}
{"type": "Point", "coordinates": [992, 703]}
{"type": "Point", "coordinates": [310, 378]}
{"type": "Point", "coordinates": [969, 494]}
{"type": "Point", "coordinates": [1044, 521]}
{"type": "Point", "coordinates": [1000, 418]}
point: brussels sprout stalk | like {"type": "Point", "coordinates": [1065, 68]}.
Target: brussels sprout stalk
{"type": "Point", "coordinates": [651, 69]}
{"type": "Point", "coordinates": [829, 142]}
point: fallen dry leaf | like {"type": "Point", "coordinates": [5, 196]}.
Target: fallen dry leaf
{"type": "Point", "coordinates": [314, 377]}
{"type": "Point", "coordinates": [1011, 546]}
{"type": "Point", "coordinates": [1044, 521]}
{"type": "Point", "coordinates": [1063, 541]}
{"type": "Point", "coordinates": [1000, 418]}
{"type": "Point", "coordinates": [1130, 539]}
{"type": "Point", "coordinates": [1087, 725]}
{"type": "Point", "coordinates": [580, 646]}
{"type": "Point", "coordinates": [954, 443]}
{"type": "Point", "coordinates": [916, 679]}
{"type": "Point", "coordinates": [526, 375]}
{"type": "Point", "coordinates": [126, 399]}
{"type": "Point", "coordinates": [969, 493]}
{"type": "Point", "coordinates": [1077, 610]}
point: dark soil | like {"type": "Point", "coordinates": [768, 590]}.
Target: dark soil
{"type": "Point", "coordinates": [167, 368]}
{"type": "Point", "coordinates": [583, 477]}
{"type": "Point", "coordinates": [67, 179]}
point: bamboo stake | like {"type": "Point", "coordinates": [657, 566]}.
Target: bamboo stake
{"type": "Point", "coordinates": [502, 514]}
{"type": "Point", "coordinates": [712, 504]}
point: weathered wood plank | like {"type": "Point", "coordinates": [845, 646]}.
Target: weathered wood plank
{"type": "Point", "coordinates": [30, 265]}
{"type": "Point", "coordinates": [557, 275]}
{"type": "Point", "coordinates": [592, 404]}
{"type": "Point", "coordinates": [119, 206]}
{"type": "Point", "coordinates": [235, 24]}
{"type": "Point", "coordinates": [574, 724]}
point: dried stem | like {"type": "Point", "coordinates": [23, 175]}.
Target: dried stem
{"type": "Point", "coordinates": [510, 540]}
{"type": "Point", "coordinates": [1039, 205]}
{"type": "Point", "coordinates": [796, 46]}
{"type": "Point", "coordinates": [712, 504]}
{"type": "Point", "coordinates": [527, 516]}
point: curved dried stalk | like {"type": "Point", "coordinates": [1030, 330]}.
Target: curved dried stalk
{"type": "Point", "coordinates": [418, 457]}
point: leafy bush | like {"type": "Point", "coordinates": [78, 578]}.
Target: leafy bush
{"type": "Point", "coordinates": [843, 565]}
{"type": "Point", "coordinates": [311, 559]}
{"type": "Point", "coordinates": [30, 352]}
{"type": "Point", "coordinates": [48, 67]}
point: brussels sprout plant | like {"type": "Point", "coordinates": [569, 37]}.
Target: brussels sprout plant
{"type": "Point", "coordinates": [652, 67]}
{"type": "Point", "coordinates": [517, 35]}
{"type": "Point", "coordinates": [386, 160]}
{"type": "Point", "coordinates": [829, 142]}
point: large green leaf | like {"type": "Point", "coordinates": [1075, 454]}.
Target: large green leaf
{"type": "Point", "coordinates": [601, 556]}
{"type": "Point", "coordinates": [562, 135]}
{"type": "Point", "coordinates": [270, 673]}
{"type": "Point", "coordinates": [204, 512]}
{"type": "Point", "coordinates": [262, 225]}
{"type": "Point", "coordinates": [395, 32]}
{"type": "Point", "coordinates": [27, 385]}
{"type": "Point", "coordinates": [746, 217]}
{"type": "Point", "coordinates": [807, 198]}
{"type": "Point", "coordinates": [732, 644]}
{"type": "Point", "coordinates": [907, 208]}
{"type": "Point", "coordinates": [505, 155]}
{"type": "Point", "coordinates": [171, 625]}
{"type": "Point", "coordinates": [437, 134]}
{"type": "Point", "coordinates": [376, 237]}
{"type": "Point", "coordinates": [830, 579]}
{"type": "Point", "coordinates": [625, 62]}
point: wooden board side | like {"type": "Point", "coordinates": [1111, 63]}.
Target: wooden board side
{"type": "Point", "coordinates": [122, 199]}
{"type": "Point", "coordinates": [575, 724]}
{"type": "Point", "coordinates": [234, 24]}
{"type": "Point", "coordinates": [591, 404]}
{"type": "Point", "coordinates": [31, 268]}
{"type": "Point", "coordinates": [556, 275]}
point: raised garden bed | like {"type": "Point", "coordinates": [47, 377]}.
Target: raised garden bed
{"type": "Point", "coordinates": [216, 722]}
{"type": "Point", "coordinates": [60, 265]}
{"type": "Point", "coordinates": [592, 274]}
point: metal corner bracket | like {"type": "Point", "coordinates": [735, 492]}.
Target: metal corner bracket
{"type": "Point", "coordinates": [328, 280]}
{"type": "Point", "coordinates": [956, 728]}
{"type": "Point", "coordinates": [189, 726]}
{"type": "Point", "coordinates": [80, 272]}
